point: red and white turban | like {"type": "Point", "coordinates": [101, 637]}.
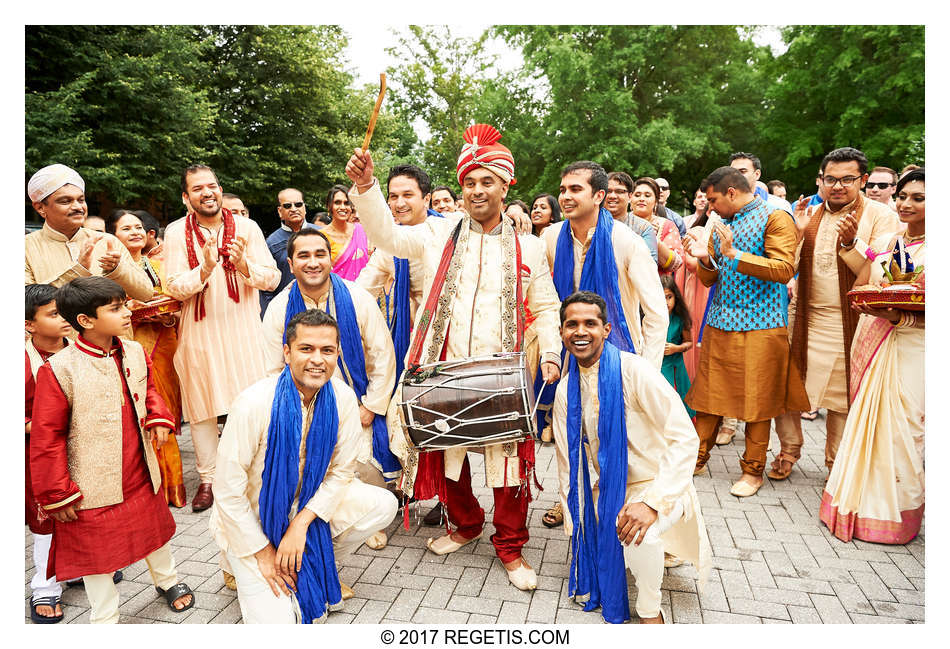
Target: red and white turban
{"type": "Point", "coordinates": [481, 149]}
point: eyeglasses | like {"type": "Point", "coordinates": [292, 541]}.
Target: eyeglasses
{"type": "Point", "coordinates": [664, 188]}
{"type": "Point", "coordinates": [879, 185]}
{"type": "Point", "coordinates": [847, 181]}
{"type": "Point", "coordinates": [287, 206]}
{"type": "Point", "coordinates": [617, 191]}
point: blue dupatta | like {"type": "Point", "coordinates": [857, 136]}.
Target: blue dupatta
{"type": "Point", "coordinates": [598, 572]}
{"type": "Point", "coordinates": [352, 362]}
{"type": "Point", "coordinates": [318, 585]}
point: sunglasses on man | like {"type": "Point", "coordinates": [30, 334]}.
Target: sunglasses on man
{"type": "Point", "coordinates": [879, 185]}
{"type": "Point", "coordinates": [287, 206]}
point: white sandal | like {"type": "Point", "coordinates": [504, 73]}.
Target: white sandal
{"type": "Point", "coordinates": [445, 544]}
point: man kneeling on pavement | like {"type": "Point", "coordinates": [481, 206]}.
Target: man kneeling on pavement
{"type": "Point", "coordinates": [640, 448]}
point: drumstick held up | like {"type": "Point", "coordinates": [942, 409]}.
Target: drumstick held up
{"type": "Point", "coordinates": [372, 120]}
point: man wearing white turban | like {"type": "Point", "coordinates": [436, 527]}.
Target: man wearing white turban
{"type": "Point", "coordinates": [64, 250]}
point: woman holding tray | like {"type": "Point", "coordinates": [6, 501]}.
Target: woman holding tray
{"type": "Point", "coordinates": [158, 335]}
{"type": "Point", "coordinates": [876, 488]}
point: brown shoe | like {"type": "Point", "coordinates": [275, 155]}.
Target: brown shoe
{"type": "Point", "coordinates": [781, 467]}
{"type": "Point", "coordinates": [203, 499]}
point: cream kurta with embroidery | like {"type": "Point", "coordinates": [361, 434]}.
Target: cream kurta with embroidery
{"type": "Point", "coordinates": [52, 258]}
{"type": "Point", "coordinates": [661, 451]}
{"type": "Point", "coordinates": [235, 519]}
{"type": "Point", "coordinates": [826, 381]}
{"type": "Point", "coordinates": [638, 281]}
{"type": "Point", "coordinates": [378, 352]}
{"type": "Point", "coordinates": [475, 324]}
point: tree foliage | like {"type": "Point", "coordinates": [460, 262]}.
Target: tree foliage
{"type": "Point", "coordinates": [266, 107]}
{"type": "Point", "coordinates": [847, 85]}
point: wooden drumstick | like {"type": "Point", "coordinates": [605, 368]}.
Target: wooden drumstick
{"type": "Point", "coordinates": [372, 120]}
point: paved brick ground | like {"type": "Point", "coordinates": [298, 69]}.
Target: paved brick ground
{"type": "Point", "coordinates": [774, 562]}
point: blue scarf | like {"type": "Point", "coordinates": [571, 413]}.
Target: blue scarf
{"type": "Point", "coordinates": [318, 584]}
{"type": "Point", "coordinates": [599, 275]}
{"type": "Point", "coordinates": [401, 322]}
{"type": "Point", "coordinates": [597, 565]}
{"type": "Point", "coordinates": [352, 362]}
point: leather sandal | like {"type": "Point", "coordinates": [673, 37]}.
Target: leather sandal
{"type": "Point", "coordinates": [175, 592]}
{"type": "Point", "coordinates": [781, 467]}
{"type": "Point", "coordinates": [445, 544]}
{"type": "Point", "coordinates": [743, 489]}
{"type": "Point", "coordinates": [554, 517]}
{"type": "Point", "coordinates": [377, 541]}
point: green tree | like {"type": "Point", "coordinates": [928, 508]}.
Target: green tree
{"type": "Point", "coordinates": [847, 85]}
{"type": "Point", "coordinates": [121, 103]}
{"type": "Point", "coordinates": [649, 100]}
{"type": "Point", "coordinates": [440, 81]}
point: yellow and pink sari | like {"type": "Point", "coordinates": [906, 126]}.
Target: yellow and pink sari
{"type": "Point", "coordinates": [876, 488]}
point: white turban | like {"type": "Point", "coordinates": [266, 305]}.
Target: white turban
{"type": "Point", "coordinates": [48, 179]}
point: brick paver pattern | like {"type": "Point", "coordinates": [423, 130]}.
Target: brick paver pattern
{"type": "Point", "coordinates": [773, 562]}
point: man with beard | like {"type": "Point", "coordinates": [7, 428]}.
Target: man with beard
{"type": "Point", "coordinates": [619, 191]}
{"type": "Point", "coordinates": [477, 301]}
{"type": "Point", "coordinates": [293, 217]}
{"type": "Point", "coordinates": [215, 263]}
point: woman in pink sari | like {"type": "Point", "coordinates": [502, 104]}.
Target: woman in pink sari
{"type": "Point", "coordinates": [694, 292]}
{"type": "Point", "coordinates": [347, 235]}
{"type": "Point", "coordinates": [875, 491]}
{"type": "Point", "coordinates": [669, 245]}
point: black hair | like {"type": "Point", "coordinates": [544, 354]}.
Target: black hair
{"type": "Point", "coordinates": [679, 304]}
{"type": "Point", "coordinates": [623, 178]}
{"type": "Point", "coordinates": [909, 177]}
{"type": "Point", "coordinates": [149, 222]}
{"type": "Point", "coordinates": [112, 221]}
{"type": "Point", "coordinates": [416, 173]}
{"type": "Point", "coordinates": [598, 177]}
{"type": "Point", "coordinates": [846, 154]}
{"type": "Point", "coordinates": [305, 232]}
{"type": "Point", "coordinates": [311, 318]}
{"type": "Point", "coordinates": [552, 203]}
{"type": "Point", "coordinates": [723, 178]}
{"type": "Point", "coordinates": [190, 169]}
{"type": "Point", "coordinates": [520, 203]}
{"type": "Point", "coordinates": [584, 297]}
{"type": "Point", "coordinates": [654, 186]}
{"type": "Point", "coordinates": [85, 295]}
{"type": "Point", "coordinates": [323, 217]}
{"type": "Point", "coordinates": [742, 155]}
{"type": "Point", "coordinates": [333, 192]}
{"type": "Point", "coordinates": [38, 295]}
{"type": "Point", "coordinates": [445, 188]}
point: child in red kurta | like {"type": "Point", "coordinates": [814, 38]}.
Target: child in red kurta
{"type": "Point", "coordinates": [93, 467]}
{"type": "Point", "coordinates": [48, 335]}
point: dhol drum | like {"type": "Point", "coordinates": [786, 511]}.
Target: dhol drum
{"type": "Point", "coordinates": [468, 402]}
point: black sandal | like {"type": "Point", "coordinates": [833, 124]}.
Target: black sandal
{"type": "Point", "coordinates": [173, 593]}
{"type": "Point", "coordinates": [52, 601]}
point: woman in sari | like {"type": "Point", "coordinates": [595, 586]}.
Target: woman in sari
{"type": "Point", "coordinates": [695, 292]}
{"type": "Point", "coordinates": [159, 338]}
{"type": "Point", "coordinates": [669, 245]}
{"type": "Point", "coordinates": [875, 491]}
{"type": "Point", "coordinates": [347, 235]}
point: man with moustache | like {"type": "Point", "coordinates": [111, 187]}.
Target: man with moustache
{"type": "Point", "coordinates": [215, 264]}
{"type": "Point", "coordinates": [744, 371]}
{"type": "Point", "coordinates": [833, 244]}
{"type": "Point", "coordinates": [63, 249]}
{"type": "Point", "coordinates": [476, 304]}
{"type": "Point", "coordinates": [293, 217]}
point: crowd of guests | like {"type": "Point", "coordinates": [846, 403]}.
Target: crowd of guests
{"type": "Point", "coordinates": [734, 315]}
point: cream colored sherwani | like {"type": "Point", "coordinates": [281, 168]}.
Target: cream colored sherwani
{"type": "Point", "coordinates": [826, 381]}
{"type": "Point", "coordinates": [51, 258]}
{"type": "Point", "coordinates": [378, 351]}
{"type": "Point", "coordinates": [475, 325]}
{"type": "Point", "coordinates": [218, 356]}
{"type": "Point", "coordinates": [661, 452]}
{"type": "Point", "coordinates": [637, 278]}
{"type": "Point", "coordinates": [235, 519]}
{"type": "Point", "coordinates": [377, 276]}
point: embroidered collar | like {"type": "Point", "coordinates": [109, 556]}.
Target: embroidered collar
{"type": "Point", "coordinates": [477, 227]}
{"type": "Point", "coordinates": [94, 350]}
{"type": "Point", "coordinates": [56, 235]}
